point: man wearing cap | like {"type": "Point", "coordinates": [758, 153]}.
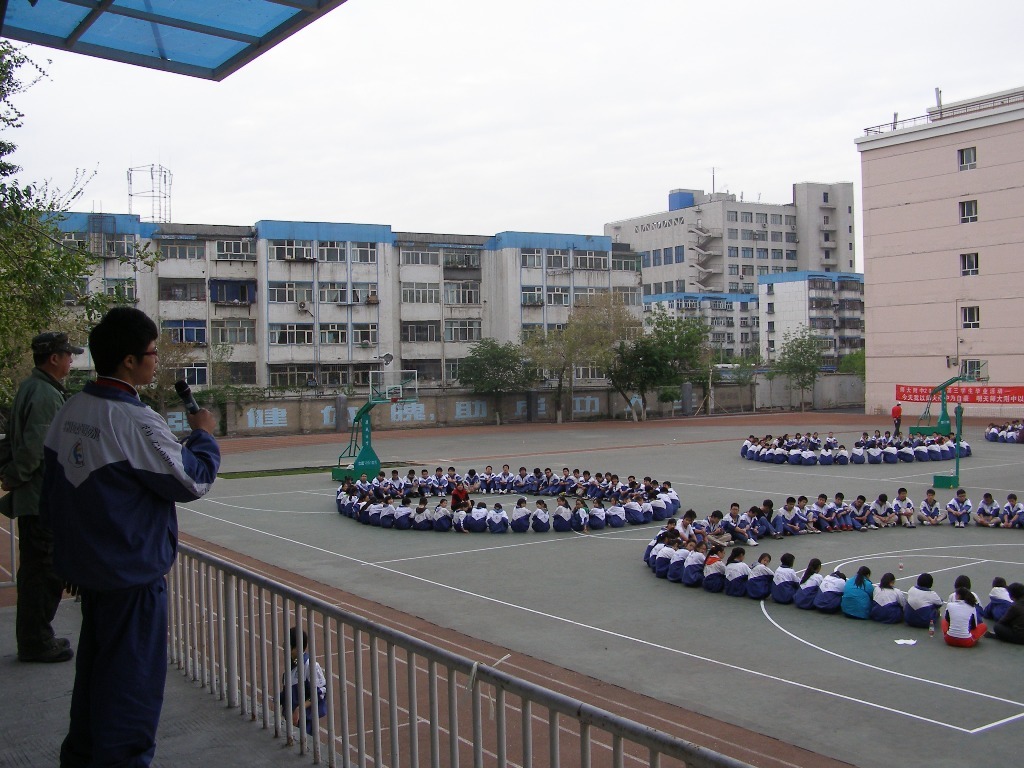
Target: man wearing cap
{"type": "Point", "coordinates": [39, 398]}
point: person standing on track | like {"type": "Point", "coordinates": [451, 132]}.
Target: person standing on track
{"type": "Point", "coordinates": [897, 418]}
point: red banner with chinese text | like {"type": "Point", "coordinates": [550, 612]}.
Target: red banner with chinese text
{"type": "Point", "coordinates": [910, 393]}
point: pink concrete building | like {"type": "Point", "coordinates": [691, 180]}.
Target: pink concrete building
{"type": "Point", "coordinates": [943, 226]}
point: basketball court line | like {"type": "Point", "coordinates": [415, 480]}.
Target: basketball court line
{"type": "Point", "coordinates": [621, 636]}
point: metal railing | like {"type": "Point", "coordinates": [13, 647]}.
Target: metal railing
{"type": "Point", "coordinates": [944, 113]}
{"type": "Point", "coordinates": [392, 700]}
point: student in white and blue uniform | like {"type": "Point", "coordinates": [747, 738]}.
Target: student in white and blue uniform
{"type": "Point", "coordinates": [678, 561]}
{"type": "Point", "coordinates": [989, 513]}
{"type": "Point", "coordinates": [476, 520]}
{"type": "Point", "coordinates": [580, 520]}
{"type": "Point", "coordinates": [597, 516]}
{"type": "Point", "coordinates": [497, 520]}
{"type": "Point", "coordinates": [959, 509]}
{"type": "Point", "coordinates": [442, 517]}
{"type": "Point", "coordinates": [842, 457]}
{"type": "Point", "coordinates": [888, 602]}
{"type": "Point", "coordinates": [785, 582]}
{"type": "Point", "coordinates": [904, 509]}
{"type": "Point", "coordinates": [541, 522]}
{"type": "Point", "coordinates": [403, 515]}
{"type": "Point", "coordinates": [737, 573]}
{"type": "Point", "coordinates": [999, 600]}
{"type": "Point", "coordinates": [923, 603]}
{"type": "Point", "coordinates": [616, 515]}
{"type": "Point", "coordinates": [714, 570]}
{"type": "Point", "coordinates": [693, 566]}
{"type": "Point", "coordinates": [561, 518]}
{"type": "Point", "coordinates": [760, 581]}
{"type": "Point", "coordinates": [387, 514]}
{"type": "Point", "coordinates": [931, 512]}
{"type": "Point", "coordinates": [830, 593]}
{"type": "Point", "coordinates": [1013, 512]}
{"type": "Point", "coordinates": [810, 585]}
{"type": "Point", "coordinates": [422, 519]}
{"type": "Point", "coordinates": [519, 521]}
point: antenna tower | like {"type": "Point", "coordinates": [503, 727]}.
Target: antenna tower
{"type": "Point", "coordinates": [156, 195]}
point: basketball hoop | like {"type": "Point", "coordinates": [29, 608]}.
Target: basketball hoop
{"type": "Point", "coordinates": [394, 400]}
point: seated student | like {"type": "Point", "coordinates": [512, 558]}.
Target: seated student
{"type": "Point", "coordinates": [488, 480]}
{"type": "Point", "coordinates": [403, 514]}
{"type": "Point", "coordinates": [842, 512]}
{"type": "Point", "coordinates": [597, 516]}
{"type": "Point", "coordinates": [820, 516]}
{"type": "Point", "coordinates": [746, 444]}
{"type": "Point", "coordinates": [842, 456]}
{"type": "Point", "coordinates": [693, 566]}
{"type": "Point", "coordinates": [961, 627]}
{"type": "Point", "coordinates": [687, 529]}
{"type": "Point", "coordinates": [808, 457]}
{"type": "Point", "coordinates": [826, 457]}
{"type": "Point", "coordinates": [883, 513]}
{"type": "Point", "coordinates": [906, 451]}
{"type": "Point", "coordinates": [615, 515]}
{"type": "Point", "coordinates": [645, 508]}
{"type": "Point", "coordinates": [659, 509]}
{"type": "Point", "coordinates": [439, 484]}
{"type": "Point", "coordinates": [502, 482]}
{"type": "Point", "coordinates": [423, 485]}
{"type": "Point", "coordinates": [959, 509]}
{"type": "Point", "coordinates": [760, 581]}
{"type": "Point", "coordinates": [992, 433]}
{"type": "Point", "coordinates": [810, 585]}
{"type": "Point", "coordinates": [874, 454]}
{"type": "Point", "coordinates": [988, 514]}
{"type": "Point", "coordinates": [857, 592]}
{"type": "Point", "coordinates": [921, 452]}
{"type": "Point", "coordinates": [476, 520]}
{"type": "Point", "coordinates": [473, 482]}
{"type": "Point", "coordinates": [999, 600]}
{"type": "Point", "coordinates": [497, 520]}
{"type": "Point", "coordinates": [1013, 512]}
{"type": "Point", "coordinates": [547, 484]}
{"type": "Point", "coordinates": [931, 512]}
{"type": "Point", "coordinates": [580, 519]}
{"type": "Point", "coordinates": [664, 558]}
{"type": "Point", "coordinates": [785, 582]}
{"type": "Point", "coordinates": [935, 450]}
{"type": "Point", "coordinates": [714, 570]}
{"type": "Point", "coordinates": [519, 520]}
{"type": "Point", "coordinates": [946, 449]}
{"type": "Point", "coordinates": [678, 561]}
{"type": "Point", "coordinates": [443, 520]}
{"type": "Point", "coordinates": [830, 594]}
{"type": "Point", "coordinates": [370, 511]}
{"type": "Point", "coordinates": [963, 581]}
{"type": "Point", "coordinates": [890, 454]}
{"type": "Point", "coordinates": [594, 490]}
{"type": "Point", "coordinates": [923, 603]}
{"type": "Point", "coordinates": [738, 526]}
{"type": "Point", "coordinates": [561, 518]}
{"type": "Point", "coordinates": [1010, 628]}
{"type": "Point", "coordinates": [788, 521]}
{"type": "Point", "coordinates": [460, 512]}
{"type": "Point", "coordinates": [807, 515]}
{"type": "Point", "coordinates": [634, 511]}
{"type": "Point", "coordinates": [904, 509]}
{"type": "Point", "coordinates": [795, 454]}
{"type": "Point", "coordinates": [857, 455]}
{"type": "Point", "coordinates": [422, 519]}
{"type": "Point", "coordinates": [737, 573]}
{"type": "Point", "coordinates": [887, 601]}
{"type": "Point", "coordinates": [860, 514]}
{"type": "Point", "coordinates": [713, 532]}
{"type": "Point", "coordinates": [387, 513]}
{"type": "Point", "coordinates": [541, 522]}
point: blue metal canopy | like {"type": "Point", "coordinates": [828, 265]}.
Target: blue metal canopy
{"type": "Point", "coordinates": [208, 39]}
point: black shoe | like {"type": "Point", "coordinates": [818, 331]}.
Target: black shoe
{"type": "Point", "coordinates": [991, 634]}
{"type": "Point", "coordinates": [53, 653]}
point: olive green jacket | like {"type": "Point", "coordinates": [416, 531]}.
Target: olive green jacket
{"type": "Point", "coordinates": [39, 398]}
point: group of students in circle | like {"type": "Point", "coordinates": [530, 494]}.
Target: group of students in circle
{"type": "Point", "coordinates": [1011, 432]}
{"type": "Point", "coordinates": [444, 503]}
{"type": "Point", "coordinates": [890, 448]}
{"type": "Point", "coordinates": [961, 617]}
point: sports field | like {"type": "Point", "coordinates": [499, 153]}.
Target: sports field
{"type": "Point", "coordinates": [831, 685]}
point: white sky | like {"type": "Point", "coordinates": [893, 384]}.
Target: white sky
{"type": "Point", "coordinates": [476, 116]}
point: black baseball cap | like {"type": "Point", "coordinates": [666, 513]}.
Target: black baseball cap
{"type": "Point", "coordinates": [54, 342]}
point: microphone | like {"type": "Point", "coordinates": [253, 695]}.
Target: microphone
{"type": "Point", "coordinates": [185, 393]}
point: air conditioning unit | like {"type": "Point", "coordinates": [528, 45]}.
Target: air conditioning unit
{"type": "Point", "coordinates": [792, 227]}
{"type": "Point", "coordinates": [764, 225]}
{"type": "Point", "coordinates": [302, 306]}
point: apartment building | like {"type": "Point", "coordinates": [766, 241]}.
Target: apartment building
{"type": "Point", "coordinates": [943, 233]}
{"type": "Point", "coordinates": [319, 303]}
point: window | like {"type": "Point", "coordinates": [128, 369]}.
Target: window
{"type": "Point", "coordinates": [333, 293]}
{"type": "Point", "coordinates": [558, 258]}
{"type": "Point", "coordinates": [777, 270]}
{"type": "Point", "coordinates": [732, 216]}
{"type": "Point", "coordinates": [289, 293]}
{"type": "Point", "coordinates": [733, 234]}
{"type": "Point", "coordinates": [734, 287]}
{"type": "Point", "coordinates": [421, 293]}
{"type": "Point", "coordinates": [333, 333]}
{"type": "Point", "coordinates": [599, 259]}
{"type": "Point", "coordinates": [76, 240]}
{"type": "Point", "coordinates": [584, 297]}
{"type": "Point", "coordinates": [629, 297]}
{"type": "Point", "coordinates": [771, 306]}
{"type": "Point", "coordinates": [776, 254]}
{"type": "Point", "coordinates": [747, 253]}
{"type": "Point", "coordinates": [333, 375]}
{"type": "Point", "coordinates": [656, 257]}
{"type": "Point", "coordinates": [971, 368]}
{"type": "Point", "coordinates": [239, 373]}
{"type": "Point", "coordinates": [364, 334]}
{"type": "Point", "coordinates": [733, 252]}
{"type": "Point", "coordinates": [968, 211]}
{"type": "Point", "coordinates": [776, 237]}
{"type": "Point", "coordinates": [588, 371]}
{"type": "Point", "coordinates": [790, 255]}
{"type": "Point", "coordinates": [421, 331]}
{"type": "Point", "coordinates": [118, 246]}
{"type": "Point", "coordinates": [680, 254]}
{"type": "Point", "coordinates": [236, 250]}
{"type": "Point", "coordinates": [194, 375]}
{"type": "Point", "coordinates": [331, 251]}
{"type": "Point", "coordinates": [776, 219]}
{"type": "Point", "coordinates": [771, 326]}
{"type": "Point", "coordinates": [429, 256]}
{"type": "Point", "coordinates": [531, 257]}
{"type": "Point", "coordinates": [968, 264]}
{"type": "Point", "coordinates": [825, 221]}
{"type": "Point", "coordinates": [762, 270]}
{"type": "Point", "coordinates": [645, 257]}
{"type": "Point", "coordinates": [291, 375]}
{"type": "Point", "coordinates": [174, 289]}
{"type": "Point", "coordinates": [790, 221]}
{"type": "Point", "coordinates": [791, 237]}
{"type": "Point", "coordinates": [364, 253]}
{"type": "Point", "coordinates": [451, 369]}
{"type": "Point", "coordinates": [827, 254]}
{"type": "Point", "coordinates": [290, 250]}
{"type": "Point", "coordinates": [462, 330]}
{"type": "Point", "coordinates": [532, 295]}
{"type": "Point", "coordinates": [462, 292]}
{"type": "Point", "coordinates": [827, 237]}
{"type": "Point", "coordinates": [283, 334]}
{"type": "Point", "coordinates": [625, 263]}
{"type": "Point", "coordinates": [238, 292]}
{"type": "Point", "coordinates": [970, 317]}
{"type": "Point", "coordinates": [183, 251]}
{"type": "Point", "coordinates": [761, 218]}
{"type": "Point", "coordinates": [747, 270]}
{"type": "Point", "coordinates": [734, 269]}
{"type": "Point", "coordinates": [364, 293]}
{"type": "Point", "coordinates": [462, 259]}
{"type": "Point", "coordinates": [747, 217]}
{"type": "Point", "coordinates": [824, 197]}
{"type": "Point", "coordinates": [747, 234]}
{"type": "Point", "coordinates": [558, 297]}
{"type": "Point", "coordinates": [122, 288]}
{"type": "Point", "coordinates": [233, 331]}
{"type": "Point", "coordinates": [762, 253]}
{"type": "Point", "coordinates": [968, 158]}
{"type": "Point", "coordinates": [656, 288]}
{"type": "Point", "coordinates": [185, 331]}
{"type": "Point", "coordinates": [680, 286]}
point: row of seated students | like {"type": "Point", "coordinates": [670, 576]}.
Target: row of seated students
{"type": "Point", "coordinates": [961, 617]}
{"type": "Point", "coordinates": [605, 486]}
{"type": "Point", "coordinates": [1012, 432]}
{"type": "Point", "coordinates": [462, 515]}
{"type": "Point", "coordinates": [868, 450]}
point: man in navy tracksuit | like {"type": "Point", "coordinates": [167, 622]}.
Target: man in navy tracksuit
{"type": "Point", "coordinates": [113, 471]}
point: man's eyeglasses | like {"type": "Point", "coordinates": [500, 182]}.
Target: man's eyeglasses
{"type": "Point", "coordinates": [154, 352]}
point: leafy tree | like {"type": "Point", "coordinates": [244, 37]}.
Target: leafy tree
{"type": "Point", "coordinates": [638, 367]}
{"type": "Point", "coordinates": [496, 369]}
{"type": "Point", "coordinates": [174, 358]}
{"type": "Point", "coordinates": [800, 360]}
{"type": "Point", "coordinates": [683, 343]}
{"type": "Point", "coordinates": [853, 363]}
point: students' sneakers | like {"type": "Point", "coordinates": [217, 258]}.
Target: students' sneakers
{"type": "Point", "coordinates": [873, 527]}
{"type": "Point", "coordinates": [751, 543]}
